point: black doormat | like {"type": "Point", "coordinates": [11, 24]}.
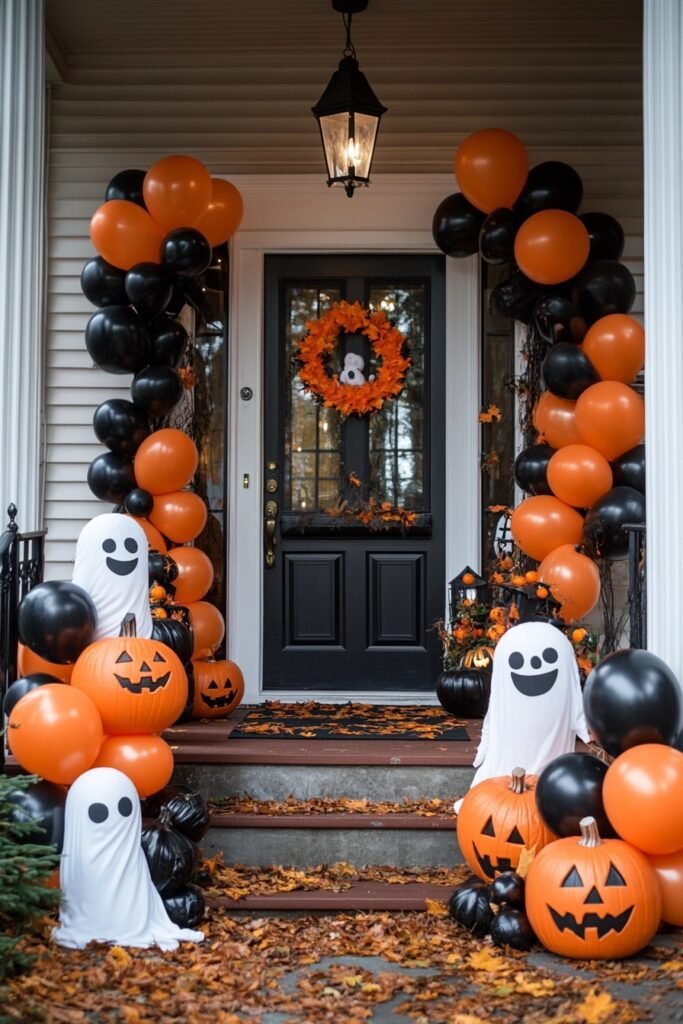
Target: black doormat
{"type": "Point", "coordinates": [311, 721]}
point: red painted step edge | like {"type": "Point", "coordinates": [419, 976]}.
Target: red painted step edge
{"type": "Point", "coordinates": [333, 821]}
{"type": "Point", "coordinates": [361, 896]}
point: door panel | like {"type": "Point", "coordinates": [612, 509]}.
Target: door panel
{"type": "Point", "coordinates": [349, 605]}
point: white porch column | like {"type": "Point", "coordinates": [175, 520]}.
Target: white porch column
{"type": "Point", "coordinates": [663, 153]}
{"type": "Point", "coordinates": [22, 217]}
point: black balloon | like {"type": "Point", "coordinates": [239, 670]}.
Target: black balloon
{"type": "Point", "coordinates": [606, 236]}
{"type": "Point", "coordinates": [111, 477]}
{"type": "Point", "coordinates": [156, 389]}
{"type": "Point", "coordinates": [603, 288]}
{"type": "Point", "coordinates": [162, 569]}
{"type": "Point", "coordinates": [168, 340]}
{"type": "Point", "coordinates": [456, 225]}
{"type": "Point", "coordinates": [188, 810]}
{"type": "Point", "coordinates": [569, 789]}
{"type": "Point", "coordinates": [558, 319]}
{"type": "Point", "coordinates": [185, 252]}
{"type": "Point", "coordinates": [20, 687]}
{"type": "Point", "coordinates": [103, 284]}
{"type": "Point", "coordinates": [628, 470]}
{"type": "Point", "coordinates": [178, 299]}
{"type": "Point", "coordinates": [117, 340]}
{"type": "Point", "coordinates": [531, 468]}
{"type": "Point", "coordinates": [552, 185]}
{"type": "Point", "coordinates": [632, 697]}
{"type": "Point", "coordinates": [43, 804]}
{"type": "Point", "coordinates": [149, 287]}
{"type": "Point", "coordinates": [510, 927]}
{"type": "Point", "coordinates": [603, 530]}
{"type": "Point", "coordinates": [515, 297]}
{"type": "Point", "coordinates": [120, 425]}
{"type": "Point", "coordinates": [497, 235]}
{"type": "Point", "coordinates": [185, 907]}
{"type": "Point", "coordinates": [138, 502]}
{"type": "Point", "coordinates": [567, 370]}
{"type": "Point", "coordinates": [57, 620]}
{"type": "Point", "coordinates": [127, 185]}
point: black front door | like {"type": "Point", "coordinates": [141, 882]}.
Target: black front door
{"type": "Point", "coordinates": [353, 507]}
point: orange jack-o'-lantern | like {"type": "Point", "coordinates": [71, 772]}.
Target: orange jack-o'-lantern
{"type": "Point", "coordinates": [591, 898]}
{"type": "Point", "coordinates": [497, 820]}
{"type": "Point", "coordinates": [218, 688]}
{"type": "Point", "coordinates": [138, 685]}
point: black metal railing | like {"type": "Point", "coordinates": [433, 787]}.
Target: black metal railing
{"type": "Point", "coordinates": [637, 592]}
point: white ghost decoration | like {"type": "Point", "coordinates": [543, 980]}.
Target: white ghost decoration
{"type": "Point", "coordinates": [107, 892]}
{"type": "Point", "coordinates": [536, 709]}
{"type": "Point", "coordinates": [111, 565]}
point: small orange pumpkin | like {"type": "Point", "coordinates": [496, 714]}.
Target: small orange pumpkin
{"type": "Point", "coordinates": [137, 685]}
{"type": "Point", "coordinates": [592, 898]}
{"type": "Point", "coordinates": [218, 688]}
{"type": "Point", "coordinates": [497, 820]}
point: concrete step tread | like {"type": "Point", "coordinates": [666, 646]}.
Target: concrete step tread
{"type": "Point", "coordinates": [362, 895]}
{"type": "Point", "coordinates": [333, 821]}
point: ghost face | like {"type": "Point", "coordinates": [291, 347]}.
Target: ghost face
{"type": "Point", "coordinates": [533, 675]}
{"type": "Point", "coordinates": [126, 550]}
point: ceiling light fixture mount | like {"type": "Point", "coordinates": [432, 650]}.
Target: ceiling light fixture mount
{"type": "Point", "coordinates": [348, 114]}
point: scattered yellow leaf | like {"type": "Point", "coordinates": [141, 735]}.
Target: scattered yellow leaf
{"type": "Point", "coordinates": [536, 987]}
{"type": "Point", "coordinates": [526, 859]}
{"type": "Point", "coordinates": [484, 960]}
{"type": "Point", "coordinates": [119, 956]}
{"type": "Point", "coordinates": [436, 908]}
{"type": "Point", "coordinates": [596, 1008]}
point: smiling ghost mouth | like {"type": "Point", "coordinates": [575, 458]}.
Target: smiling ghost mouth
{"type": "Point", "coordinates": [121, 568]}
{"type": "Point", "coordinates": [534, 686]}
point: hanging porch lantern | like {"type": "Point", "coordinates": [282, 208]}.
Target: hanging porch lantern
{"type": "Point", "coordinates": [348, 114]}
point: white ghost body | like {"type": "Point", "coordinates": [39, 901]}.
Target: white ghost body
{"type": "Point", "coordinates": [111, 565]}
{"type": "Point", "coordinates": [536, 709]}
{"type": "Point", "coordinates": [107, 892]}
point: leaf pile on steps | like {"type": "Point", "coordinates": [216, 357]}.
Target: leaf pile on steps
{"type": "Point", "coordinates": [237, 881]}
{"type": "Point", "coordinates": [428, 807]}
{"type": "Point", "coordinates": [249, 967]}
{"type": "Point", "coordinates": [355, 721]}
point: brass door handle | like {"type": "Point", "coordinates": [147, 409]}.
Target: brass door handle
{"type": "Point", "coordinates": [270, 524]}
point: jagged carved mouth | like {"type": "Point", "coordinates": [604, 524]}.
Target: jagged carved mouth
{"type": "Point", "coordinates": [121, 568]}
{"type": "Point", "coordinates": [144, 683]}
{"type": "Point", "coordinates": [603, 923]}
{"type": "Point", "coordinates": [489, 867]}
{"type": "Point", "coordinates": [534, 686]}
{"type": "Point", "coordinates": [218, 702]}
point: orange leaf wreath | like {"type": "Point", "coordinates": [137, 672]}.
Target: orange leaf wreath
{"type": "Point", "coordinates": [387, 345]}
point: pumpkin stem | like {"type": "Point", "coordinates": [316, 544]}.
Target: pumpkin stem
{"type": "Point", "coordinates": [128, 626]}
{"type": "Point", "coordinates": [518, 781]}
{"type": "Point", "coordinates": [589, 832]}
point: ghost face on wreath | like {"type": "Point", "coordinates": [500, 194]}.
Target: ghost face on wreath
{"type": "Point", "coordinates": [352, 372]}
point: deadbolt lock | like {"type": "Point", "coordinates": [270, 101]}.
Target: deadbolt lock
{"type": "Point", "coordinates": [271, 486]}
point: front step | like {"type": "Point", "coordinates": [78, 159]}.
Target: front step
{"type": "Point", "coordinates": [363, 896]}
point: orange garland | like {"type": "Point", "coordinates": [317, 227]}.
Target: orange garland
{"type": "Point", "coordinates": [387, 344]}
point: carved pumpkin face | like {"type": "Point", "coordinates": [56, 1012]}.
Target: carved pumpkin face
{"type": "Point", "coordinates": [219, 688]}
{"type": "Point", "coordinates": [497, 820]}
{"type": "Point", "coordinates": [592, 902]}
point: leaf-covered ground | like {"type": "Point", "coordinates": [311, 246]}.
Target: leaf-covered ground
{"type": "Point", "coordinates": [426, 807]}
{"type": "Point", "coordinates": [344, 969]}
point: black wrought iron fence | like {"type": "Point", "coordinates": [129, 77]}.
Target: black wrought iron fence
{"type": "Point", "coordinates": [637, 593]}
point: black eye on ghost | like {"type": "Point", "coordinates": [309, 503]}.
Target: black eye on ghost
{"type": "Point", "coordinates": [116, 565]}
{"type": "Point", "coordinates": [533, 684]}
{"type": "Point", "coordinates": [100, 812]}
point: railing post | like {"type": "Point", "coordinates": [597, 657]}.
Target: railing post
{"type": "Point", "coordinates": [637, 593]}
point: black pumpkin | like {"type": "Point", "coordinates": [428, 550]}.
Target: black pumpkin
{"type": "Point", "coordinates": [187, 808]}
{"type": "Point", "coordinates": [175, 635]}
{"type": "Point", "coordinates": [510, 927]}
{"type": "Point", "coordinates": [469, 906]}
{"type": "Point", "coordinates": [464, 692]}
{"type": "Point", "coordinates": [171, 856]}
{"type": "Point", "coordinates": [507, 890]}
{"type": "Point", "coordinates": [185, 907]}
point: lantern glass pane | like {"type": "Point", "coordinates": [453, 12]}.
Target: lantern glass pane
{"type": "Point", "coordinates": [341, 152]}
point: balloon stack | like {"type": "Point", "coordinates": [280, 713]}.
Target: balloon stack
{"type": "Point", "coordinates": [585, 473]}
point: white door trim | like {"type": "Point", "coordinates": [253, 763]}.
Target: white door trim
{"type": "Point", "coordinates": [303, 217]}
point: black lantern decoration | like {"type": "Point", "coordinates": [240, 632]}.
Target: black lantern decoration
{"type": "Point", "coordinates": [535, 603]}
{"type": "Point", "coordinates": [348, 113]}
{"type": "Point", "coordinates": [467, 585]}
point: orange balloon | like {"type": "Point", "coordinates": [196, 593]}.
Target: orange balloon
{"type": "Point", "coordinates": [195, 574]}
{"type": "Point", "coordinates": [554, 418]}
{"type": "Point", "coordinates": [208, 628]}
{"type": "Point", "coordinates": [551, 246]}
{"type": "Point", "coordinates": [154, 539]}
{"type": "Point", "coordinates": [542, 523]}
{"type": "Point", "coordinates": [55, 731]}
{"type": "Point", "coordinates": [615, 345]}
{"type": "Point", "coordinates": [125, 234]}
{"type": "Point", "coordinates": [642, 797]}
{"type": "Point", "coordinates": [181, 515]}
{"type": "Point", "coordinates": [177, 191]}
{"type": "Point", "coordinates": [491, 168]}
{"type": "Point", "coordinates": [224, 215]}
{"type": "Point", "coordinates": [668, 868]}
{"type": "Point", "coordinates": [29, 662]}
{"type": "Point", "coordinates": [165, 461]}
{"type": "Point", "coordinates": [579, 475]}
{"type": "Point", "coordinates": [147, 760]}
{"type": "Point", "coordinates": [574, 581]}
{"type": "Point", "coordinates": [610, 416]}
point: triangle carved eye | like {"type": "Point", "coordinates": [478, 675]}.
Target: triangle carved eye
{"type": "Point", "coordinates": [516, 837]}
{"type": "Point", "coordinates": [159, 657]}
{"type": "Point", "coordinates": [614, 878]}
{"type": "Point", "coordinates": [488, 829]}
{"type": "Point", "coordinates": [123, 657]}
{"type": "Point", "coordinates": [573, 880]}
{"type": "Point", "coordinates": [213, 685]}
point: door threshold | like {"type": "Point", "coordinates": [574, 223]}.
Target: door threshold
{"type": "Point", "coordinates": [344, 697]}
